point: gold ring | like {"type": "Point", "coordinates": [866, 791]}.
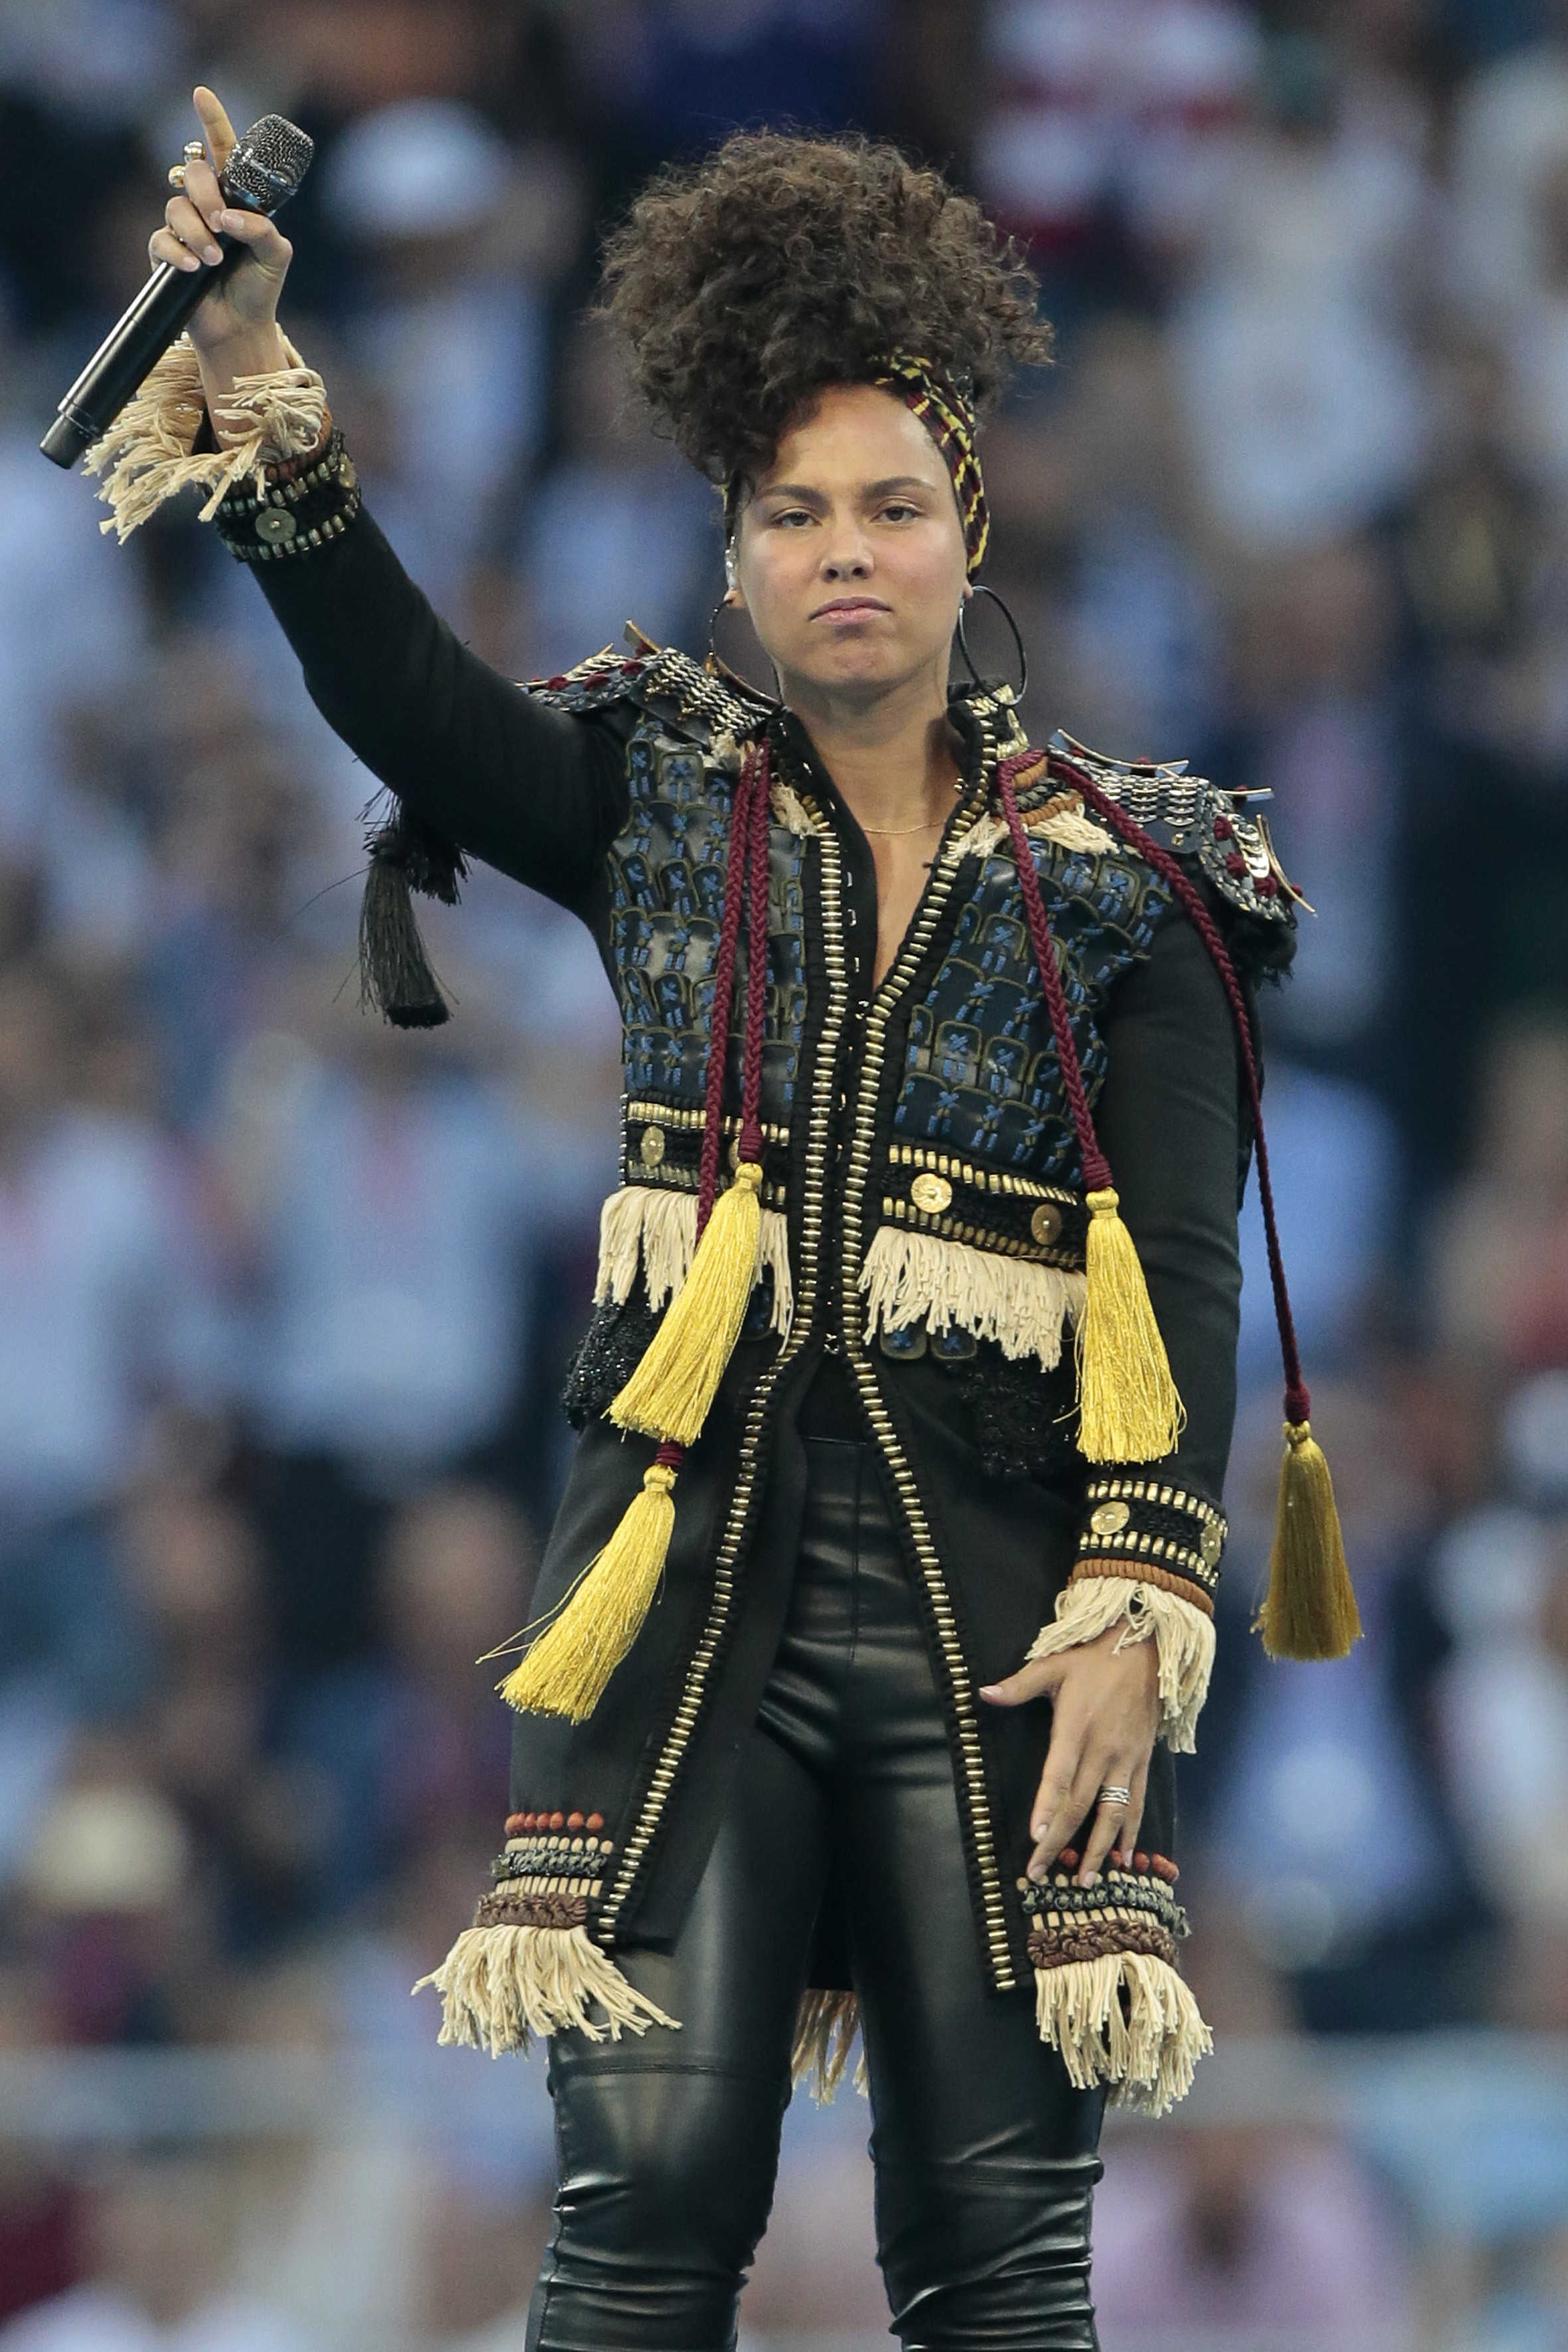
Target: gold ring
{"type": "Point", "coordinates": [176, 176]}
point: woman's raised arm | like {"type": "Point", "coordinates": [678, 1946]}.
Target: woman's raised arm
{"type": "Point", "coordinates": [528, 789]}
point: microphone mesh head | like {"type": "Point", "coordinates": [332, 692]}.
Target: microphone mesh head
{"type": "Point", "coordinates": [268, 164]}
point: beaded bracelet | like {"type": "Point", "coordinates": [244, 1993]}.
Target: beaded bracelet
{"type": "Point", "coordinates": [298, 512]}
{"type": "Point", "coordinates": [1144, 1572]}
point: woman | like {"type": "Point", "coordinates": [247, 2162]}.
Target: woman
{"type": "Point", "coordinates": [873, 1613]}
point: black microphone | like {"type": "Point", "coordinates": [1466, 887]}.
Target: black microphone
{"type": "Point", "coordinates": [263, 171]}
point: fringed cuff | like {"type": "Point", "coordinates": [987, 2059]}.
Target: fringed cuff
{"type": "Point", "coordinates": [148, 454]}
{"type": "Point", "coordinates": [1127, 2019]}
{"type": "Point", "coordinates": [500, 1985]}
{"type": "Point", "coordinates": [1107, 1994]}
{"type": "Point", "coordinates": [1183, 1632]}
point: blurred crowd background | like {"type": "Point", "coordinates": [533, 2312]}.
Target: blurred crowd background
{"type": "Point", "coordinates": [286, 1298]}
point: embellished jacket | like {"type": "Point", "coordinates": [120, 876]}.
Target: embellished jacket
{"type": "Point", "coordinates": [921, 1268]}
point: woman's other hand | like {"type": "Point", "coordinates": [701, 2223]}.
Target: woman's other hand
{"type": "Point", "coordinates": [1105, 1713]}
{"type": "Point", "coordinates": [235, 330]}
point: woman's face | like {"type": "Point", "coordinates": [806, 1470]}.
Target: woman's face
{"type": "Point", "coordinates": [849, 557]}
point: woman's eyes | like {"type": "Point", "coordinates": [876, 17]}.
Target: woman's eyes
{"type": "Point", "coordinates": [801, 514]}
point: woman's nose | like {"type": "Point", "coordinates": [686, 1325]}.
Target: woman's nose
{"type": "Point", "coordinates": [848, 557]}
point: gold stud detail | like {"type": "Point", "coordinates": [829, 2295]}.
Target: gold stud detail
{"type": "Point", "coordinates": [1110, 1518]}
{"type": "Point", "coordinates": [1212, 1543]}
{"type": "Point", "coordinates": [931, 1193]}
{"type": "Point", "coordinates": [650, 1150]}
{"type": "Point", "coordinates": [1045, 1223]}
{"type": "Point", "coordinates": [276, 525]}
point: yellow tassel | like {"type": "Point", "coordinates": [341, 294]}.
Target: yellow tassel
{"type": "Point", "coordinates": [566, 1670]}
{"type": "Point", "coordinates": [1128, 1406]}
{"type": "Point", "coordinates": [1311, 1610]}
{"type": "Point", "coordinates": [670, 1393]}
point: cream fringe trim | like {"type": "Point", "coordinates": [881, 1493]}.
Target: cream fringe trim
{"type": "Point", "coordinates": [1127, 2019]}
{"type": "Point", "coordinates": [1025, 1307]}
{"type": "Point", "coordinates": [825, 2031]}
{"type": "Point", "coordinates": [1182, 1634]}
{"type": "Point", "coordinates": [1145, 2045]}
{"type": "Point", "coordinates": [500, 1986]}
{"type": "Point", "coordinates": [789, 810]}
{"type": "Point", "coordinates": [145, 457]}
{"type": "Point", "coordinates": [1061, 820]}
{"type": "Point", "coordinates": [643, 1225]}
{"type": "Point", "coordinates": [785, 803]}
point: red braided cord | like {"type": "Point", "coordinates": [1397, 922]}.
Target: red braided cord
{"type": "Point", "coordinates": [724, 988]}
{"type": "Point", "coordinates": [1096, 1170]}
{"type": "Point", "coordinates": [1298, 1400]}
{"type": "Point", "coordinates": [748, 819]}
{"type": "Point", "coordinates": [756, 960]}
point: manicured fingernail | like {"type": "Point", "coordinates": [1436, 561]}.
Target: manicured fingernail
{"type": "Point", "coordinates": [989, 1690]}
{"type": "Point", "coordinates": [1036, 1870]}
{"type": "Point", "coordinates": [1088, 1878]}
{"type": "Point", "coordinates": [211, 254]}
{"type": "Point", "coordinates": [231, 220]}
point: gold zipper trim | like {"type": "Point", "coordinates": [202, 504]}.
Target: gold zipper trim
{"type": "Point", "coordinates": [988, 1180]}
{"type": "Point", "coordinates": [948, 1228]}
{"type": "Point", "coordinates": [813, 1217]}
{"type": "Point", "coordinates": [916, 940]}
{"type": "Point", "coordinates": [660, 1115]}
{"type": "Point", "coordinates": [666, 1179]}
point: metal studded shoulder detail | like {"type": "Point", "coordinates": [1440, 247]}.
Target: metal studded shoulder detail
{"type": "Point", "coordinates": [682, 694]}
{"type": "Point", "coordinates": [1193, 818]}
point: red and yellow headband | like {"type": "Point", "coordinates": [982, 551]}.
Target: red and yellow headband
{"type": "Point", "coordinates": [949, 418]}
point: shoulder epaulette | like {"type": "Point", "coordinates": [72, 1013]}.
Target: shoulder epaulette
{"type": "Point", "coordinates": [681, 693]}
{"type": "Point", "coordinates": [1193, 818]}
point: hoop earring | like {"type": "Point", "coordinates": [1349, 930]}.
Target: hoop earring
{"type": "Point", "coordinates": [982, 588]}
{"type": "Point", "coordinates": [718, 667]}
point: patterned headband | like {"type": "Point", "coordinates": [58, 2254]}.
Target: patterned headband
{"type": "Point", "coordinates": [949, 418]}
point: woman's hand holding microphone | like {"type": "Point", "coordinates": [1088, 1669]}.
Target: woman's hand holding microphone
{"type": "Point", "coordinates": [235, 330]}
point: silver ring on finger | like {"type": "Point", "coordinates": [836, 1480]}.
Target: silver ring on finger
{"type": "Point", "coordinates": [177, 175]}
{"type": "Point", "coordinates": [1119, 1797]}
{"type": "Point", "coordinates": [190, 152]}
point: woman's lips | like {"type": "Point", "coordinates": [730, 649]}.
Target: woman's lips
{"type": "Point", "coordinates": [849, 609]}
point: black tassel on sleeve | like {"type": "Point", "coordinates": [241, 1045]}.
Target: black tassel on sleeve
{"type": "Point", "coordinates": [405, 854]}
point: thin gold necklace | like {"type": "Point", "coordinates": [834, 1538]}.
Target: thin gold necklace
{"type": "Point", "coordinates": [898, 831]}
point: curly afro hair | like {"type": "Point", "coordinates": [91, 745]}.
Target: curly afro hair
{"type": "Point", "coordinates": [744, 282]}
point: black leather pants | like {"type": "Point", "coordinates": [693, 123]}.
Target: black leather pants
{"type": "Point", "coordinates": [668, 2144]}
